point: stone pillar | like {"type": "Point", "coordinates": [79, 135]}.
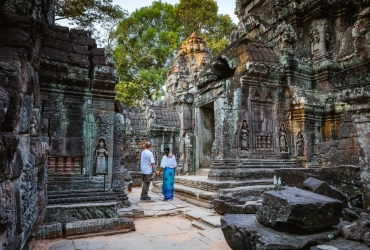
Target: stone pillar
{"type": "Point", "coordinates": [362, 122]}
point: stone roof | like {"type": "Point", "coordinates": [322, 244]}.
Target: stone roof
{"type": "Point", "coordinates": [253, 50]}
{"type": "Point", "coordinates": [150, 115]}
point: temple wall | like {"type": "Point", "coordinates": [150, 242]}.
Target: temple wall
{"type": "Point", "coordinates": [77, 95]}
{"type": "Point", "coordinates": [23, 155]}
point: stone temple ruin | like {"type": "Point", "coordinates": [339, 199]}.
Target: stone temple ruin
{"type": "Point", "coordinates": [286, 103]}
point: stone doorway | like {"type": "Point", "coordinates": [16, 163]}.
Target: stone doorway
{"type": "Point", "coordinates": [206, 134]}
{"type": "Point", "coordinates": [262, 130]}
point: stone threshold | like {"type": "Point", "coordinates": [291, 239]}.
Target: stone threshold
{"type": "Point", "coordinates": [203, 183]}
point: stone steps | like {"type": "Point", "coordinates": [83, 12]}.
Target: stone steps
{"type": "Point", "coordinates": [191, 195]}
{"type": "Point", "coordinates": [77, 196]}
{"type": "Point", "coordinates": [204, 219]}
{"type": "Point", "coordinates": [201, 182]}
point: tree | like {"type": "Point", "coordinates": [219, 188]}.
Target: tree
{"type": "Point", "coordinates": [201, 16]}
{"type": "Point", "coordinates": [148, 39]}
{"type": "Point", "coordinates": [84, 13]}
{"type": "Point", "coordinates": [146, 42]}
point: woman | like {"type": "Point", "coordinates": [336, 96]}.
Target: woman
{"type": "Point", "coordinates": [168, 167]}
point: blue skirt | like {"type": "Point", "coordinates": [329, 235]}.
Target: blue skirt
{"type": "Point", "coordinates": [168, 183]}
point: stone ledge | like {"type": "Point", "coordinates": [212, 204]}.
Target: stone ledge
{"type": "Point", "coordinates": [49, 231]}
{"type": "Point", "coordinates": [99, 227]}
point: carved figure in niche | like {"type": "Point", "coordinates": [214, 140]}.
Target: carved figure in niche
{"type": "Point", "coordinates": [151, 118]}
{"type": "Point", "coordinates": [315, 41]}
{"type": "Point", "coordinates": [327, 31]}
{"type": "Point", "coordinates": [244, 134]}
{"type": "Point", "coordinates": [283, 142]}
{"type": "Point", "coordinates": [300, 144]}
{"type": "Point", "coordinates": [219, 154]}
{"type": "Point", "coordinates": [101, 155]}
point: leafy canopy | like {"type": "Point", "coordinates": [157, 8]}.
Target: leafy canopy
{"type": "Point", "coordinates": [148, 39]}
{"type": "Point", "coordinates": [84, 13]}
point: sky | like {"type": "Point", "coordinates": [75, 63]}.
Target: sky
{"type": "Point", "coordinates": [224, 7]}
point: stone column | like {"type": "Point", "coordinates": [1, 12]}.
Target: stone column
{"type": "Point", "coordinates": [362, 122]}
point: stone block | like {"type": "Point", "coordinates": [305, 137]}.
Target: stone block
{"type": "Point", "coordinates": [323, 188]}
{"type": "Point", "coordinates": [346, 178]}
{"type": "Point", "coordinates": [25, 113]}
{"type": "Point", "coordinates": [79, 60]}
{"type": "Point", "coordinates": [339, 244]}
{"type": "Point", "coordinates": [81, 37]}
{"type": "Point", "coordinates": [80, 49]}
{"type": "Point", "coordinates": [57, 44]}
{"type": "Point", "coordinates": [55, 54]}
{"type": "Point", "coordinates": [98, 52]}
{"type": "Point", "coordinates": [57, 28]}
{"type": "Point", "coordinates": [243, 232]}
{"type": "Point", "coordinates": [98, 60]}
{"type": "Point", "coordinates": [298, 211]}
{"type": "Point", "coordinates": [49, 231]}
{"type": "Point", "coordinates": [358, 230]}
{"type": "Point", "coordinates": [18, 38]}
{"type": "Point", "coordinates": [99, 226]}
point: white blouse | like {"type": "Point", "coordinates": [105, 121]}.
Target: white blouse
{"type": "Point", "coordinates": [168, 162]}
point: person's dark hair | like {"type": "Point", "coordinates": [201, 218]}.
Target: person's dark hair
{"type": "Point", "coordinates": [148, 144]}
{"type": "Point", "coordinates": [166, 148]}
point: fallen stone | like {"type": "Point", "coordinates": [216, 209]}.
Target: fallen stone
{"type": "Point", "coordinates": [298, 211]}
{"type": "Point", "coordinates": [358, 230]}
{"type": "Point", "coordinates": [240, 200]}
{"type": "Point", "coordinates": [340, 244]}
{"type": "Point", "coordinates": [346, 178]}
{"type": "Point", "coordinates": [349, 215]}
{"type": "Point", "coordinates": [323, 188]}
{"type": "Point", "coordinates": [242, 231]}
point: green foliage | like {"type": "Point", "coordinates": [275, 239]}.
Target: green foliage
{"type": "Point", "coordinates": [84, 13]}
{"type": "Point", "coordinates": [201, 16]}
{"type": "Point", "coordinates": [148, 39]}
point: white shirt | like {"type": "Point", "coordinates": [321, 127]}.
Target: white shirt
{"type": "Point", "coordinates": [168, 162]}
{"type": "Point", "coordinates": [147, 159]}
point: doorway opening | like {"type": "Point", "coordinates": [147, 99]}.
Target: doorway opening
{"type": "Point", "coordinates": [206, 134]}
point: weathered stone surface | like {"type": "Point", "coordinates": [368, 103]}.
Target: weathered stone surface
{"type": "Point", "coordinates": [104, 226]}
{"type": "Point", "coordinates": [345, 178]}
{"type": "Point", "coordinates": [321, 187]}
{"type": "Point", "coordinates": [358, 230]}
{"type": "Point", "coordinates": [240, 200]}
{"type": "Point", "coordinates": [298, 211]}
{"type": "Point", "coordinates": [242, 231]}
{"type": "Point", "coordinates": [339, 244]}
{"type": "Point", "coordinates": [49, 231]}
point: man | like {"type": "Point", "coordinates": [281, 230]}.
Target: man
{"type": "Point", "coordinates": [147, 167]}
